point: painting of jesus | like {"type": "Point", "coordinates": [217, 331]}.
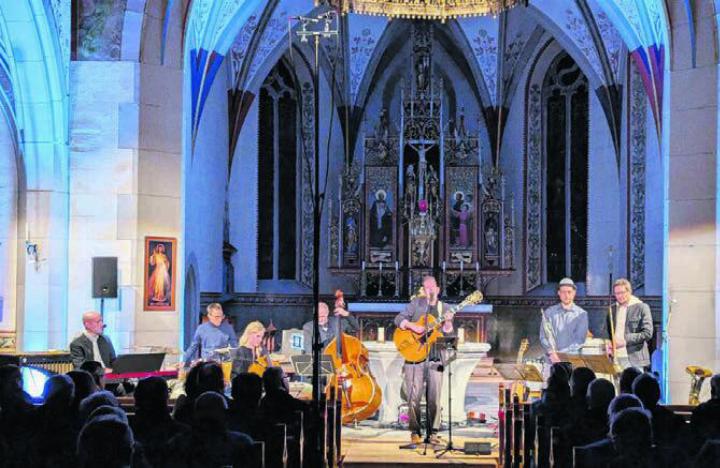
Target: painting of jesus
{"type": "Point", "coordinates": [159, 273]}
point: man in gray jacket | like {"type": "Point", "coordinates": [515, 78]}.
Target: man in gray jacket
{"type": "Point", "coordinates": [414, 377]}
{"type": "Point", "coordinates": [631, 328]}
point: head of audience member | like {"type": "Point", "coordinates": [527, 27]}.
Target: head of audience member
{"type": "Point", "coordinates": [94, 401]}
{"type": "Point", "coordinates": [203, 377]}
{"type": "Point", "coordinates": [647, 388]}
{"type": "Point", "coordinates": [105, 442]}
{"type": "Point", "coordinates": [580, 381]}
{"type": "Point", "coordinates": [627, 378]}
{"type": "Point", "coordinates": [558, 388]}
{"type": "Point", "coordinates": [215, 314]}
{"type": "Point", "coordinates": [93, 322]}
{"type": "Point", "coordinates": [11, 383]}
{"type": "Point", "coordinates": [210, 413]}
{"type": "Point", "coordinates": [59, 394]}
{"type": "Point", "coordinates": [599, 395]}
{"type": "Point", "coordinates": [564, 368]}
{"type": "Point", "coordinates": [151, 396]}
{"type": "Point", "coordinates": [247, 390]}
{"type": "Point", "coordinates": [631, 432]}
{"type": "Point", "coordinates": [97, 371]}
{"type": "Point", "coordinates": [621, 402]}
{"type": "Point", "coordinates": [84, 385]}
{"type": "Point", "coordinates": [106, 410]}
{"type": "Point", "coordinates": [274, 381]}
{"type": "Point", "coordinates": [715, 387]}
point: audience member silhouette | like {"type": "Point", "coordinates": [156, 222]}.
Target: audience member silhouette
{"type": "Point", "coordinates": [705, 419]}
{"type": "Point", "coordinates": [709, 455]}
{"type": "Point", "coordinates": [56, 433]}
{"type": "Point", "coordinates": [106, 442]}
{"type": "Point", "coordinates": [245, 415]}
{"type": "Point", "coordinates": [667, 426]}
{"type": "Point", "coordinates": [97, 371]}
{"type": "Point", "coordinates": [278, 406]}
{"type": "Point", "coordinates": [203, 377]}
{"type": "Point", "coordinates": [632, 438]}
{"type": "Point", "coordinates": [579, 382]}
{"type": "Point", "coordinates": [209, 443]}
{"type": "Point", "coordinates": [152, 425]}
{"type": "Point", "coordinates": [84, 387]}
{"type": "Point", "coordinates": [17, 416]}
{"type": "Point", "coordinates": [94, 401]}
{"type": "Point", "coordinates": [628, 376]}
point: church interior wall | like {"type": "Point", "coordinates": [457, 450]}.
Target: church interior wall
{"type": "Point", "coordinates": [654, 211]}
{"type": "Point", "coordinates": [205, 181]}
{"type": "Point", "coordinates": [9, 224]}
{"type": "Point", "coordinates": [603, 202]}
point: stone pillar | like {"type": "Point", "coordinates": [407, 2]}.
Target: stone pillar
{"type": "Point", "coordinates": [693, 247]}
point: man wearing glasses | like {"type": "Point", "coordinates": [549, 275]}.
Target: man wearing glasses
{"type": "Point", "coordinates": [209, 336]}
{"type": "Point", "coordinates": [92, 345]}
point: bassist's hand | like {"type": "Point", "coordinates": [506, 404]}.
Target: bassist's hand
{"type": "Point", "coordinates": [419, 329]}
{"type": "Point", "coordinates": [340, 312]}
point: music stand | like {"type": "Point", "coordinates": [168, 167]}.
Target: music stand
{"type": "Point", "coordinates": [599, 363]}
{"type": "Point", "coordinates": [448, 343]}
{"type": "Point", "coordinates": [576, 360]}
{"type": "Point", "coordinates": [303, 365]}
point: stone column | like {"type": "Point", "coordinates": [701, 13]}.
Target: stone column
{"type": "Point", "coordinates": [692, 247]}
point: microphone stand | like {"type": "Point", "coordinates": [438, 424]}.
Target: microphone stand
{"type": "Point", "coordinates": [451, 344]}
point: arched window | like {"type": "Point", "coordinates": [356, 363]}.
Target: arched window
{"type": "Point", "coordinates": [277, 176]}
{"type": "Point", "coordinates": [565, 98]}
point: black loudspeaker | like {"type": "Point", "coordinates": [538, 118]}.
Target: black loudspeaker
{"type": "Point", "coordinates": [104, 277]}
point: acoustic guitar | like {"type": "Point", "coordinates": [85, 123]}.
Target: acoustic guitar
{"type": "Point", "coordinates": [260, 365]}
{"type": "Point", "coordinates": [414, 347]}
{"type": "Point", "coordinates": [519, 387]}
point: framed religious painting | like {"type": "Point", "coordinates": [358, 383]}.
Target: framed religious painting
{"type": "Point", "coordinates": [160, 258]}
{"type": "Point", "coordinates": [380, 213]}
{"type": "Point", "coordinates": [461, 214]}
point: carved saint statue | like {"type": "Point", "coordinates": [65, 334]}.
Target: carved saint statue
{"type": "Point", "coordinates": [410, 186]}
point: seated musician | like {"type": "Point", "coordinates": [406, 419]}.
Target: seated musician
{"type": "Point", "coordinates": [328, 325]}
{"type": "Point", "coordinates": [92, 345]}
{"type": "Point", "coordinates": [251, 348]}
{"type": "Point", "coordinates": [414, 380]}
{"type": "Point", "coordinates": [210, 336]}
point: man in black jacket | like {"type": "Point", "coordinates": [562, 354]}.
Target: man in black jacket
{"type": "Point", "coordinates": [92, 345]}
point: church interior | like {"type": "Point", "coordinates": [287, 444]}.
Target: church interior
{"type": "Point", "coordinates": [159, 157]}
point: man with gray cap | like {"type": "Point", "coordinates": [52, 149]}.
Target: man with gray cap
{"type": "Point", "coordinates": [564, 326]}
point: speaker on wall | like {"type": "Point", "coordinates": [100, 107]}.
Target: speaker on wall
{"type": "Point", "coordinates": [104, 277]}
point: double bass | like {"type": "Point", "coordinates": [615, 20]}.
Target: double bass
{"type": "Point", "coordinates": [356, 388]}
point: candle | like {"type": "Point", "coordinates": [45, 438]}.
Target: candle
{"type": "Point", "coordinates": [381, 335]}
{"type": "Point", "coordinates": [381, 264]}
{"type": "Point", "coordinates": [477, 267]}
{"type": "Point", "coordinates": [462, 264]}
{"type": "Point", "coordinates": [362, 266]}
{"type": "Point", "coordinates": [443, 266]}
{"type": "Point", "coordinates": [397, 265]}
{"type": "Point", "coordinates": [461, 335]}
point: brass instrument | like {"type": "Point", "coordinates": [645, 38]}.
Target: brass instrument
{"type": "Point", "coordinates": [698, 374]}
{"type": "Point", "coordinates": [616, 366]}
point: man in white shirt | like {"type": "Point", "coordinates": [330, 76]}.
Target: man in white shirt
{"type": "Point", "coordinates": [92, 345]}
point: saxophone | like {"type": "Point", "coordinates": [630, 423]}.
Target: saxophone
{"type": "Point", "coordinates": [698, 375]}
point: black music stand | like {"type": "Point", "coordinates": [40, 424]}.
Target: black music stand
{"type": "Point", "coordinates": [449, 343]}
{"type": "Point", "coordinates": [303, 365]}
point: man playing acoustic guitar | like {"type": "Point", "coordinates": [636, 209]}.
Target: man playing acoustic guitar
{"type": "Point", "coordinates": [414, 379]}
